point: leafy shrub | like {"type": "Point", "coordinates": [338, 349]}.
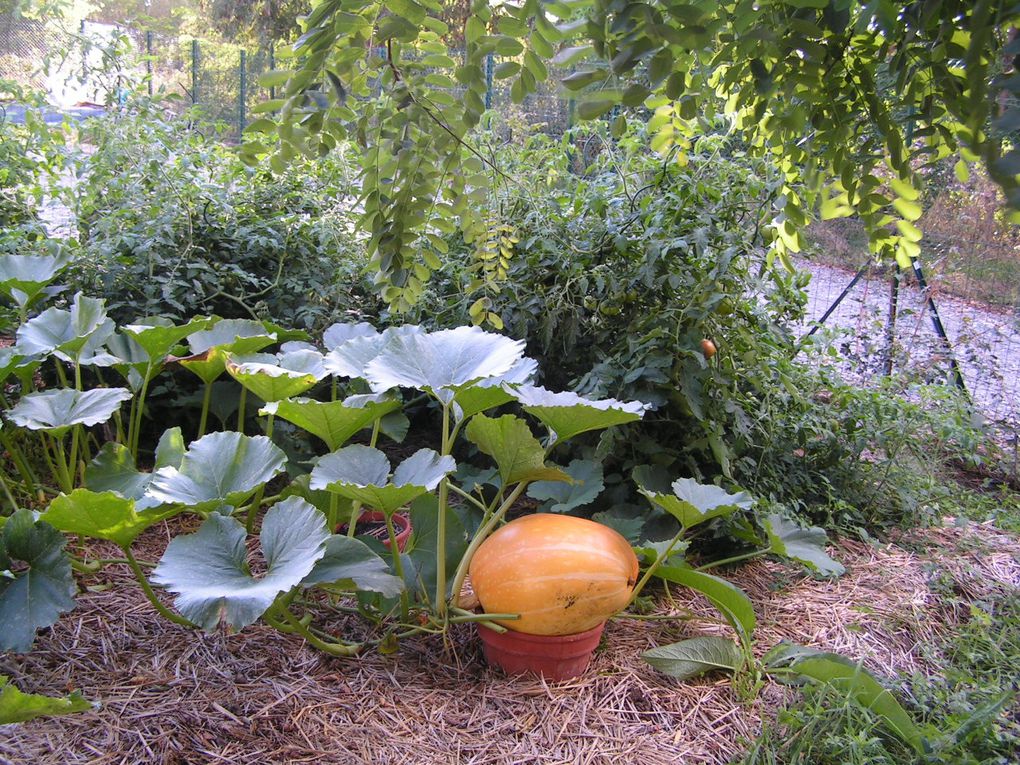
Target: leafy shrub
{"type": "Point", "coordinates": [616, 265]}
{"type": "Point", "coordinates": [172, 223]}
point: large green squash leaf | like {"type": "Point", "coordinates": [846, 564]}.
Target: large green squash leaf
{"type": "Point", "coordinates": [209, 346]}
{"type": "Point", "coordinates": [14, 362]}
{"type": "Point", "coordinates": [350, 562]}
{"type": "Point", "coordinates": [23, 278]}
{"type": "Point", "coordinates": [270, 382]}
{"type": "Point", "coordinates": [157, 336]}
{"type": "Point", "coordinates": [491, 392]}
{"type": "Point", "coordinates": [113, 469]}
{"type": "Point", "coordinates": [805, 546]}
{"type": "Point", "coordinates": [340, 333]}
{"type": "Point", "coordinates": [218, 469]}
{"type": "Point", "coordinates": [692, 503]}
{"type": "Point", "coordinates": [68, 334]}
{"type": "Point", "coordinates": [56, 411]}
{"type": "Point", "coordinates": [41, 589]}
{"type": "Point", "coordinates": [362, 474]}
{"type": "Point", "coordinates": [568, 414]}
{"type": "Point", "coordinates": [333, 421]}
{"type": "Point", "coordinates": [209, 571]}
{"type": "Point", "coordinates": [440, 361]}
{"type": "Point", "coordinates": [100, 515]}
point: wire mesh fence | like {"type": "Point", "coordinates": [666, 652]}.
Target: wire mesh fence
{"type": "Point", "coordinates": [953, 319]}
{"type": "Point", "coordinates": [101, 63]}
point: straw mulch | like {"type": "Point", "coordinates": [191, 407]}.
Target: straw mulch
{"type": "Point", "coordinates": [169, 696]}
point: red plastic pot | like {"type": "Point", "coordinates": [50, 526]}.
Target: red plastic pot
{"type": "Point", "coordinates": [555, 657]}
{"type": "Point", "coordinates": [401, 525]}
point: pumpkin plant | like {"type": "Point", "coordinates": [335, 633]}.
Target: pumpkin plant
{"type": "Point", "coordinates": [107, 490]}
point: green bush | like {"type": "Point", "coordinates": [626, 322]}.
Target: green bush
{"type": "Point", "coordinates": [620, 263]}
{"type": "Point", "coordinates": [172, 223]}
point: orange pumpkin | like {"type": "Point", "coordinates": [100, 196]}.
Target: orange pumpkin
{"type": "Point", "coordinates": [563, 575]}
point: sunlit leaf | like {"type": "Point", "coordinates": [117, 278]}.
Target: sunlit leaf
{"type": "Point", "coordinates": [517, 452]}
{"type": "Point", "coordinates": [692, 503]}
{"type": "Point", "coordinates": [100, 515]}
{"type": "Point", "coordinates": [439, 361]}
{"type": "Point", "coordinates": [333, 421]}
{"type": "Point", "coordinates": [56, 411]}
{"type": "Point", "coordinates": [568, 414]}
{"type": "Point", "coordinates": [340, 333]}
{"type": "Point", "coordinates": [270, 382]}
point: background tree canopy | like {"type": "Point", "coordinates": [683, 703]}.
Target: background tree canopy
{"type": "Point", "coordinates": [850, 99]}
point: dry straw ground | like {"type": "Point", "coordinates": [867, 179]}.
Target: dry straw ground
{"type": "Point", "coordinates": [168, 696]}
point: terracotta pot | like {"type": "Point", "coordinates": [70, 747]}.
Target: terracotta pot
{"type": "Point", "coordinates": [401, 525]}
{"type": "Point", "coordinates": [555, 657]}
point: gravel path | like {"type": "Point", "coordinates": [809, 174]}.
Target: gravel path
{"type": "Point", "coordinates": [985, 340]}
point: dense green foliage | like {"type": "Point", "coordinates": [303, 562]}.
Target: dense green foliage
{"type": "Point", "coordinates": [618, 268]}
{"type": "Point", "coordinates": [799, 79]}
{"type": "Point", "coordinates": [171, 223]}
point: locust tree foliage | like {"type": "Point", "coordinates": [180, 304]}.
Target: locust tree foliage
{"type": "Point", "coordinates": [850, 99]}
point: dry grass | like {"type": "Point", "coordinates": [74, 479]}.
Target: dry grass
{"type": "Point", "coordinates": [260, 697]}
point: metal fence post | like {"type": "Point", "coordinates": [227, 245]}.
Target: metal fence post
{"type": "Point", "coordinates": [272, 66]}
{"type": "Point", "coordinates": [890, 325]}
{"type": "Point", "coordinates": [148, 59]}
{"type": "Point", "coordinates": [244, 93]}
{"type": "Point", "coordinates": [489, 66]}
{"type": "Point", "coordinates": [194, 71]}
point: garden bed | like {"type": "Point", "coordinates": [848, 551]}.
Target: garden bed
{"type": "Point", "coordinates": [168, 696]}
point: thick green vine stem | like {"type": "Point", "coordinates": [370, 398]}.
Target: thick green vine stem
{"type": "Point", "coordinates": [444, 493]}
{"type": "Point", "coordinates": [481, 535]}
{"type": "Point", "coordinates": [206, 402]}
{"type": "Point", "coordinates": [650, 571]}
{"type": "Point", "coordinates": [398, 564]}
{"type": "Point", "coordinates": [289, 623]}
{"type": "Point", "coordinates": [147, 589]}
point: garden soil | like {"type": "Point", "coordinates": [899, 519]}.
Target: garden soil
{"type": "Point", "coordinates": [169, 696]}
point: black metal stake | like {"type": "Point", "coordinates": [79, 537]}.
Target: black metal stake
{"type": "Point", "coordinates": [940, 330]}
{"type": "Point", "coordinates": [890, 326]}
{"type": "Point", "coordinates": [838, 300]}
